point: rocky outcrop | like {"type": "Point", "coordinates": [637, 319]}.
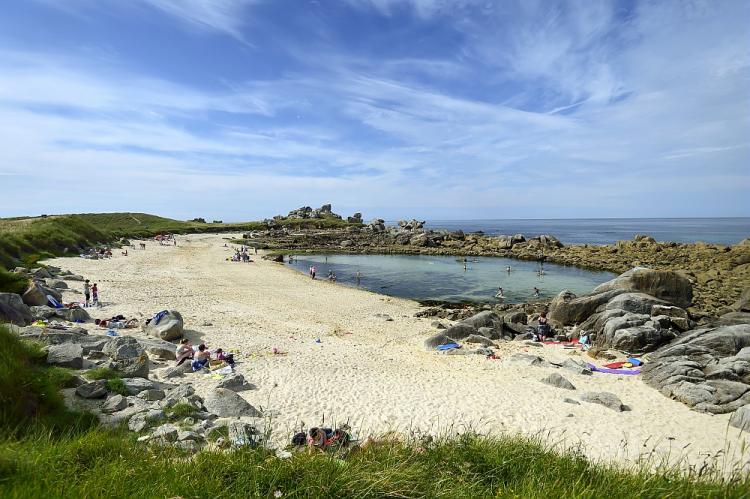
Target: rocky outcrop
{"type": "Point", "coordinates": [14, 310]}
{"type": "Point", "coordinates": [669, 286]}
{"type": "Point", "coordinates": [635, 333]}
{"type": "Point", "coordinates": [707, 369]}
{"type": "Point", "coordinates": [567, 309]}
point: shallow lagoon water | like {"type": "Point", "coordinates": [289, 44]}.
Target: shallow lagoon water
{"type": "Point", "coordinates": [424, 277]}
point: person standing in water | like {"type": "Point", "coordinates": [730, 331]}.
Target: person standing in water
{"type": "Point", "coordinates": [536, 292]}
{"type": "Point", "coordinates": [359, 277]}
{"type": "Point", "coordinates": [312, 271]}
{"type": "Point", "coordinates": [499, 293]}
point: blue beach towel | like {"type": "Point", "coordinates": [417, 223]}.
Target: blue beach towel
{"type": "Point", "coordinates": [54, 302]}
{"type": "Point", "coordinates": [448, 346]}
{"type": "Point", "coordinates": [160, 316]}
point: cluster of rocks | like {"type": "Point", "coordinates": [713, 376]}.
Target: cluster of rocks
{"type": "Point", "coordinates": [33, 304]}
{"type": "Point", "coordinates": [324, 211]}
{"type": "Point", "coordinates": [485, 328]}
{"type": "Point", "coordinates": [154, 403]}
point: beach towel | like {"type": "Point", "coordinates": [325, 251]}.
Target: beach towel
{"type": "Point", "coordinates": [160, 316]}
{"type": "Point", "coordinates": [53, 302]}
{"type": "Point", "coordinates": [613, 371]}
{"type": "Point", "coordinates": [448, 346]}
{"type": "Point", "coordinates": [614, 365]}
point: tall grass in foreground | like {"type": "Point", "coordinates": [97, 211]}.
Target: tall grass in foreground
{"type": "Point", "coordinates": [102, 464]}
{"type": "Point", "coordinates": [47, 451]}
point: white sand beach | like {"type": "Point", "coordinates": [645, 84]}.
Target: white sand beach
{"type": "Point", "coordinates": [375, 374]}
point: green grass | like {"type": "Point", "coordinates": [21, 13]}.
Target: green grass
{"type": "Point", "coordinates": [101, 373]}
{"type": "Point", "coordinates": [117, 385]}
{"type": "Point", "coordinates": [111, 464]}
{"type": "Point", "coordinates": [179, 411]}
{"type": "Point", "coordinates": [12, 283]}
{"type": "Point", "coordinates": [48, 451]}
{"type": "Point", "coordinates": [30, 396]}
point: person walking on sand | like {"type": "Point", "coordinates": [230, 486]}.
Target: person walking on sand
{"type": "Point", "coordinates": [86, 292]}
{"type": "Point", "coordinates": [95, 296]}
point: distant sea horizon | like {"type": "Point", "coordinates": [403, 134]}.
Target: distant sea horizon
{"type": "Point", "coordinates": [724, 230]}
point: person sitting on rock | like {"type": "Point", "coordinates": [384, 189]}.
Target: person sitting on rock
{"type": "Point", "coordinates": [184, 351]}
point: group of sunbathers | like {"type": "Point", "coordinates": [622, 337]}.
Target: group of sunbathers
{"type": "Point", "coordinates": [201, 355]}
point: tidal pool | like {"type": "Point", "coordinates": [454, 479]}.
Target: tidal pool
{"type": "Point", "coordinates": [422, 277]}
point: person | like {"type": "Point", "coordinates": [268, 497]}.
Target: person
{"type": "Point", "coordinates": [86, 292]}
{"type": "Point", "coordinates": [313, 270]}
{"type": "Point", "coordinates": [536, 292]}
{"type": "Point", "coordinates": [544, 328]}
{"type": "Point", "coordinates": [508, 269]}
{"type": "Point", "coordinates": [226, 357]}
{"type": "Point", "coordinates": [184, 351]}
{"type": "Point", "coordinates": [330, 275]}
{"type": "Point", "coordinates": [333, 276]}
{"type": "Point", "coordinates": [201, 358]}
{"type": "Point", "coordinates": [359, 277]}
{"type": "Point", "coordinates": [95, 295]}
{"type": "Point", "coordinates": [499, 293]}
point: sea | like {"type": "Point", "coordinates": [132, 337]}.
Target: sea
{"type": "Point", "coordinates": [609, 230]}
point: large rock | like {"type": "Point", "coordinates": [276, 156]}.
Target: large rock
{"type": "Point", "coordinates": [486, 318]}
{"type": "Point", "coordinates": [36, 294]}
{"type": "Point", "coordinates": [66, 355]}
{"type": "Point", "coordinates": [567, 309]}
{"type": "Point", "coordinates": [41, 312]}
{"type": "Point", "coordinates": [460, 331]}
{"type": "Point", "coordinates": [14, 310]}
{"type": "Point", "coordinates": [94, 390]}
{"type": "Point", "coordinates": [226, 403]}
{"type": "Point", "coordinates": [123, 347]}
{"type": "Point", "coordinates": [114, 403]}
{"type": "Point", "coordinates": [741, 418]}
{"type": "Point", "coordinates": [635, 333]}
{"type": "Point", "coordinates": [707, 369]}
{"type": "Point", "coordinates": [666, 285]}
{"type": "Point", "coordinates": [638, 303]}
{"type": "Point", "coordinates": [76, 314]}
{"type": "Point", "coordinates": [169, 328]}
{"type": "Point", "coordinates": [607, 399]}
{"type": "Point", "coordinates": [558, 381]}
{"type": "Point", "coordinates": [678, 316]}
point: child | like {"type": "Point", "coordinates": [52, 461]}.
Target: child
{"type": "Point", "coordinates": [95, 295]}
{"type": "Point", "coordinates": [226, 357]}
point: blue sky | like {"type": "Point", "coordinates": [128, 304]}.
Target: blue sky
{"type": "Point", "coordinates": [241, 109]}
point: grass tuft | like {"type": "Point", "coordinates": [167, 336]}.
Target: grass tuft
{"type": "Point", "coordinates": [117, 385]}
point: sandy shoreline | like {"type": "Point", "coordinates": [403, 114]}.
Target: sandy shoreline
{"type": "Point", "coordinates": [375, 374]}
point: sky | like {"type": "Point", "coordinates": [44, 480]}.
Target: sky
{"type": "Point", "coordinates": [435, 109]}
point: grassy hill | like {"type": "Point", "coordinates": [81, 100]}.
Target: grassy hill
{"type": "Point", "coordinates": [25, 240]}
